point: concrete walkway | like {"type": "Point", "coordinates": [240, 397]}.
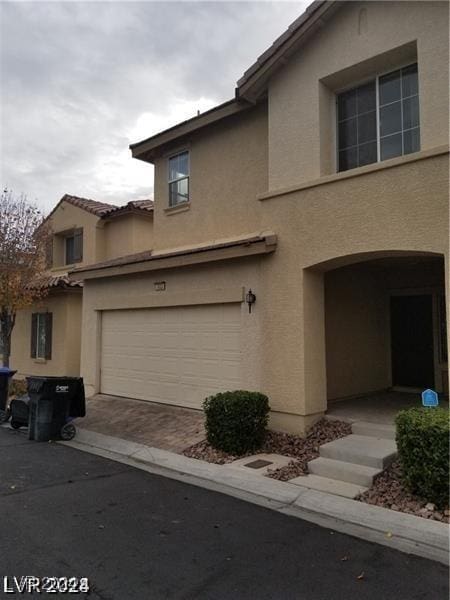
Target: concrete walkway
{"type": "Point", "coordinates": [404, 532]}
{"type": "Point", "coordinates": [379, 407]}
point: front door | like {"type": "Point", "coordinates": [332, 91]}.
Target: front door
{"type": "Point", "coordinates": [412, 341]}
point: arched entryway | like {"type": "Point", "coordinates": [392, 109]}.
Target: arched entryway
{"type": "Point", "coordinates": [384, 324]}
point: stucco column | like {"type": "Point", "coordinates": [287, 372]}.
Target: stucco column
{"type": "Point", "coordinates": [314, 357]}
{"type": "Point", "coordinates": [447, 306]}
{"type": "Point", "coordinates": [90, 344]}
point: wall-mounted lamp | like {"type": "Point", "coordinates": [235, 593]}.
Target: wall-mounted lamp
{"type": "Point", "coordinates": [250, 298]}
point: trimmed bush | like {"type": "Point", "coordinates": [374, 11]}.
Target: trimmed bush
{"type": "Point", "coordinates": [423, 447]}
{"type": "Point", "coordinates": [236, 421]}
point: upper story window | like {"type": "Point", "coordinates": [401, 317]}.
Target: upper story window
{"type": "Point", "coordinates": [74, 247]}
{"type": "Point", "coordinates": [379, 120]}
{"type": "Point", "coordinates": [179, 178]}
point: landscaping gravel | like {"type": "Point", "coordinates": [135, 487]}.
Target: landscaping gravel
{"type": "Point", "coordinates": [304, 449]}
{"type": "Point", "coordinates": [388, 491]}
{"type": "Point", "coordinates": [301, 449]}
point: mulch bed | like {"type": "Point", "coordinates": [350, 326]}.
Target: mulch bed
{"type": "Point", "coordinates": [388, 491]}
{"type": "Point", "coordinates": [301, 449]}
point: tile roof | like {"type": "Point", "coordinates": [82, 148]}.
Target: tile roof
{"type": "Point", "coordinates": [134, 206]}
{"type": "Point", "coordinates": [54, 281]}
{"type": "Point", "coordinates": [278, 44]}
{"type": "Point", "coordinates": [146, 204]}
{"type": "Point", "coordinates": [143, 149]}
{"type": "Point", "coordinates": [117, 262]}
{"type": "Point", "coordinates": [150, 255]}
{"type": "Point", "coordinates": [93, 206]}
{"type": "Point", "coordinates": [103, 209]}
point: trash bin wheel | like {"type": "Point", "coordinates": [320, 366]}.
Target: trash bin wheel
{"type": "Point", "coordinates": [16, 425]}
{"type": "Point", "coordinates": [68, 432]}
{"type": "Point", "coordinates": [4, 415]}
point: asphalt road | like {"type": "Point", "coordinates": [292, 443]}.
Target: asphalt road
{"type": "Point", "coordinates": [138, 536]}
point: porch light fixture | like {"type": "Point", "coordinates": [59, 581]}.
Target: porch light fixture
{"type": "Point", "coordinates": [250, 298]}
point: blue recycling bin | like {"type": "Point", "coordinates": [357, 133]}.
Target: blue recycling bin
{"type": "Point", "coordinates": [5, 375]}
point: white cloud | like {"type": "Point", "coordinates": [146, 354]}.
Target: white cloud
{"type": "Point", "coordinates": [80, 81]}
{"type": "Point", "coordinates": [150, 123]}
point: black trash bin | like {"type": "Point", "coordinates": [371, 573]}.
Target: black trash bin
{"type": "Point", "coordinates": [54, 401]}
{"type": "Point", "coordinates": [20, 411]}
{"type": "Point", "coordinates": [5, 375]}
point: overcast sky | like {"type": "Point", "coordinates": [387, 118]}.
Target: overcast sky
{"type": "Point", "coordinates": [80, 81]}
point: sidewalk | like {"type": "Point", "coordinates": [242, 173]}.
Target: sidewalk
{"type": "Point", "coordinates": [410, 534]}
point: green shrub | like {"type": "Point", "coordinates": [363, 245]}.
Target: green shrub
{"type": "Point", "coordinates": [423, 447]}
{"type": "Point", "coordinates": [236, 421]}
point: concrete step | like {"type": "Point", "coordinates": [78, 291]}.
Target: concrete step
{"type": "Point", "coordinates": [378, 430]}
{"type": "Point", "coordinates": [361, 450]}
{"type": "Point", "coordinates": [343, 471]}
{"type": "Point", "coordinates": [331, 486]}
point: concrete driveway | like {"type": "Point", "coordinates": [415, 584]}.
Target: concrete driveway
{"type": "Point", "coordinates": [157, 425]}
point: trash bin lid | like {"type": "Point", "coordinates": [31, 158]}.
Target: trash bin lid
{"type": "Point", "coordinates": [7, 371]}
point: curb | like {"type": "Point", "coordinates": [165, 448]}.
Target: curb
{"type": "Point", "coordinates": [404, 532]}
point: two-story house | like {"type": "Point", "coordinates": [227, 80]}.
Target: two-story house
{"type": "Point", "coordinates": [323, 188]}
{"type": "Point", "coordinates": [46, 339]}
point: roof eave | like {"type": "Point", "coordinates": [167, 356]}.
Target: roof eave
{"type": "Point", "coordinates": [146, 149]}
{"type": "Point", "coordinates": [263, 244]}
{"type": "Point", "coordinates": [254, 81]}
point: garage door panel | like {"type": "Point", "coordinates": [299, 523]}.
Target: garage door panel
{"type": "Point", "coordinates": [173, 355]}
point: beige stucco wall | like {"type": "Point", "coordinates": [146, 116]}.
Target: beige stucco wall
{"type": "Point", "coordinates": [357, 331]}
{"type": "Point", "coordinates": [128, 234]}
{"type": "Point", "coordinates": [284, 355]}
{"type": "Point", "coordinates": [402, 208]}
{"type": "Point", "coordinates": [68, 217]}
{"type": "Point", "coordinates": [102, 239]}
{"type": "Point", "coordinates": [228, 166]}
{"type": "Point", "coordinates": [207, 284]}
{"type": "Point", "coordinates": [322, 222]}
{"type": "Point", "coordinates": [301, 102]}
{"type": "Point", "coordinates": [123, 235]}
{"type": "Point", "coordinates": [66, 332]}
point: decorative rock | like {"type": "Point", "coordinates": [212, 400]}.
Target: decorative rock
{"type": "Point", "coordinates": [394, 507]}
{"type": "Point", "coordinates": [430, 506]}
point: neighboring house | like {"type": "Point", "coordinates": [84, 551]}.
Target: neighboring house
{"type": "Point", "coordinates": [46, 338]}
{"type": "Point", "coordinates": [322, 187]}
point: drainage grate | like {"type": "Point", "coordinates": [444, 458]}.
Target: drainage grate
{"type": "Point", "coordinates": [258, 464]}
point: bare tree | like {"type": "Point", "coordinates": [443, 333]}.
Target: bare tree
{"type": "Point", "coordinates": [23, 242]}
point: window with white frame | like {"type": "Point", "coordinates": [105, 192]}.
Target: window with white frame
{"type": "Point", "coordinates": [379, 120]}
{"type": "Point", "coordinates": [179, 178]}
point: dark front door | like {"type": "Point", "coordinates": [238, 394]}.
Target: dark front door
{"type": "Point", "coordinates": [412, 341]}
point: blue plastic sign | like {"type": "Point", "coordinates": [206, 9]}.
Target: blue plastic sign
{"type": "Point", "coordinates": [430, 398]}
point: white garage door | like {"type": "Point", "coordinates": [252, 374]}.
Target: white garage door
{"type": "Point", "coordinates": [172, 355]}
